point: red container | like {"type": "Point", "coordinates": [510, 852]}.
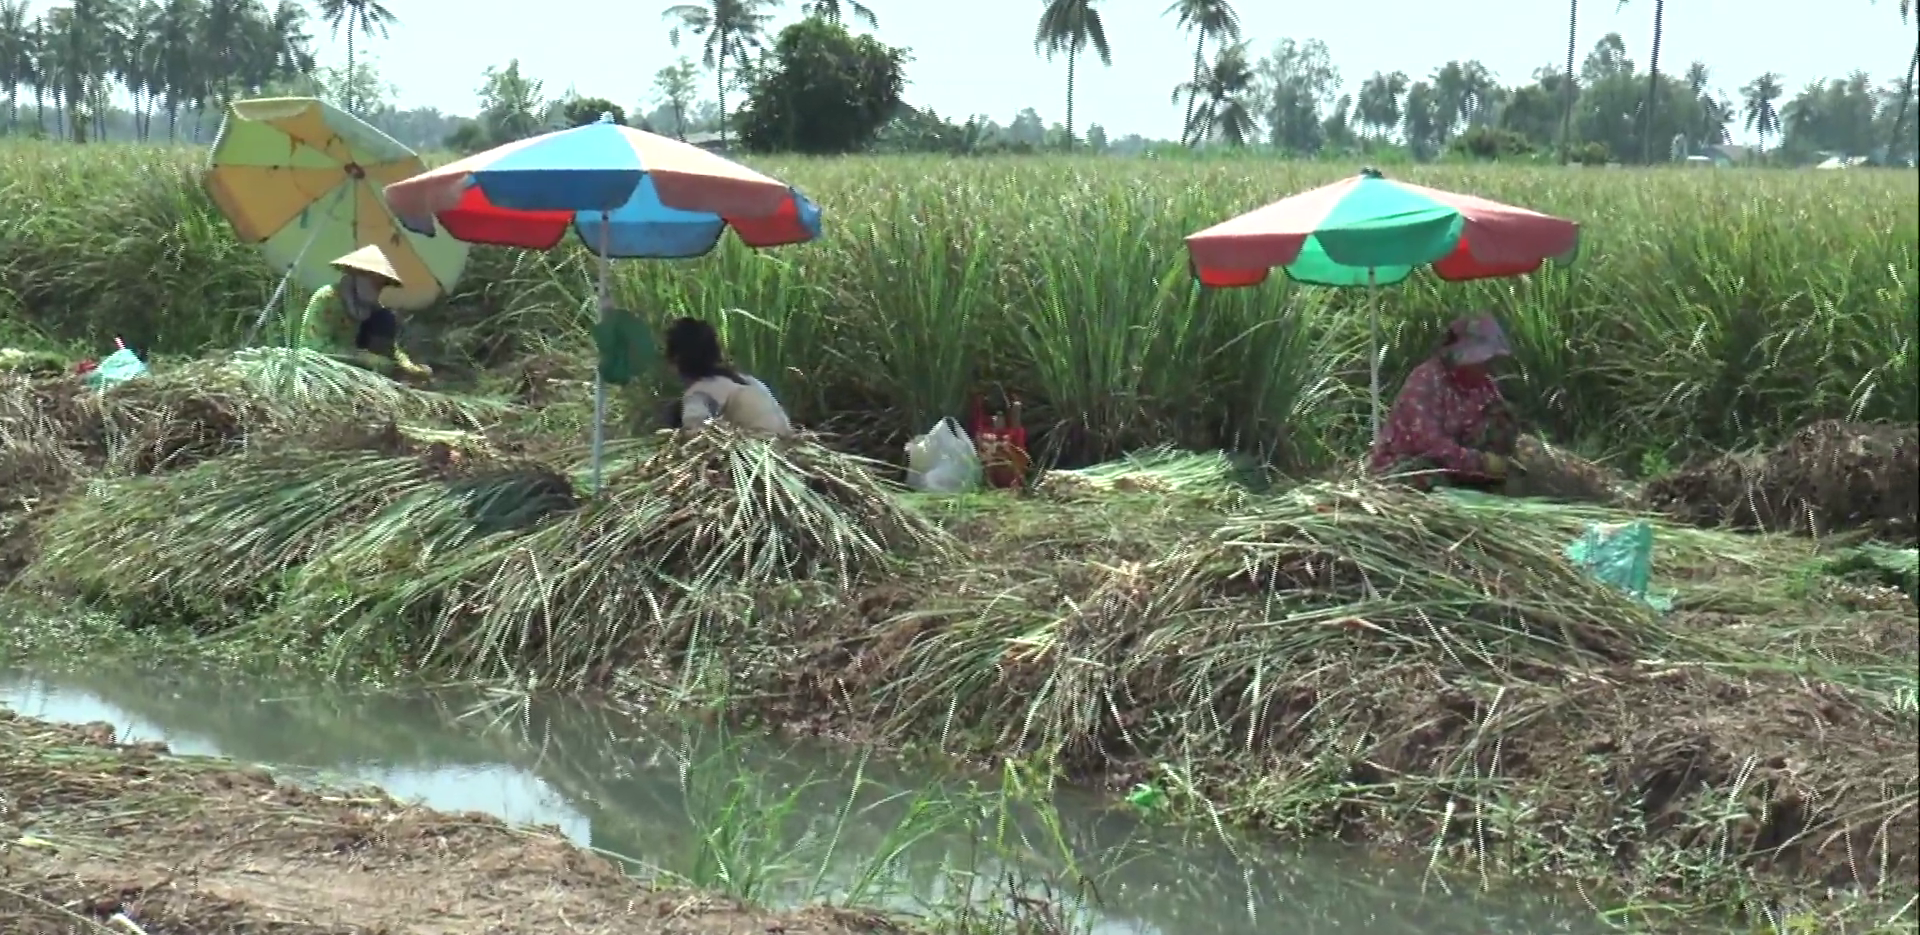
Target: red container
{"type": "Point", "coordinates": [1002, 444]}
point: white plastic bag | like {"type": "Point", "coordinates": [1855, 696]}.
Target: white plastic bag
{"type": "Point", "coordinates": [943, 460]}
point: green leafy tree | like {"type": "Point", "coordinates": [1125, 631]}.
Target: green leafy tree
{"type": "Point", "coordinates": [580, 111]}
{"type": "Point", "coordinates": [1536, 112]}
{"type": "Point", "coordinates": [1490, 144]}
{"type": "Point", "coordinates": [1607, 60]}
{"type": "Point", "coordinates": [362, 87]}
{"type": "Point", "coordinates": [673, 86]}
{"type": "Point", "coordinates": [1337, 127]}
{"type": "Point", "coordinates": [822, 90]}
{"type": "Point", "coordinates": [1609, 114]}
{"type": "Point", "coordinates": [1422, 123]}
{"type": "Point", "coordinates": [1071, 27]}
{"type": "Point", "coordinates": [1836, 116]}
{"type": "Point", "coordinates": [1463, 95]}
{"type": "Point", "coordinates": [1294, 83]}
{"type": "Point", "coordinates": [1378, 105]}
{"type": "Point", "coordinates": [511, 105]}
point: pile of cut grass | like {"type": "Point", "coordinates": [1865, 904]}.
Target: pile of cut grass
{"type": "Point", "coordinates": [1330, 658]}
{"type": "Point", "coordinates": [185, 413]}
{"type": "Point", "coordinates": [489, 565]}
{"type": "Point", "coordinates": [1427, 673]}
{"type": "Point", "coordinates": [56, 432]}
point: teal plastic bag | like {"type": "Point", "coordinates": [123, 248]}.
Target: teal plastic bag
{"type": "Point", "coordinates": [118, 367]}
{"type": "Point", "coordinates": [1620, 555]}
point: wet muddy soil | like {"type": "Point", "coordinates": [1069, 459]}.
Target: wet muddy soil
{"type": "Point", "coordinates": [99, 837]}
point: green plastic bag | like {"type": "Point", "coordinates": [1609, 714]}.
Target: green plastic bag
{"type": "Point", "coordinates": [1620, 555]}
{"type": "Point", "coordinates": [626, 346]}
{"type": "Point", "coordinates": [118, 367]}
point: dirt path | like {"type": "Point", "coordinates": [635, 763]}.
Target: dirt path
{"type": "Point", "coordinates": [90, 828]}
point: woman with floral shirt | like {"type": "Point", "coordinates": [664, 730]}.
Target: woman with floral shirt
{"type": "Point", "coordinates": [1449, 425]}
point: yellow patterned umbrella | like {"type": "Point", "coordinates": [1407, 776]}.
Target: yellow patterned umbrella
{"type": "Point", "coordinates": [303, 180]}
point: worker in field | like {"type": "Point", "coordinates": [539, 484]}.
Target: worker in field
{"type": "Point", "coordinates": [1449, 425]}
{"type": "Point", "coordinates": [714, 390]}
{"type": "Point", "coordinates": [347, 319]}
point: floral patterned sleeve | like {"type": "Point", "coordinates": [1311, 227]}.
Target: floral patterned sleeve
{"type": "Point", "coordinates": [1417, 424]}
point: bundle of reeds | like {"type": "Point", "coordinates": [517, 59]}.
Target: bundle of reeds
{"type": "Point", "coordinates": [1540, 469]}
{"type": "Point", "coordinates": [1162, 471]}
{"type": "Point", "coordinates": [1240, 611]}
{"type": "Point", "coordinates": [497, 564]}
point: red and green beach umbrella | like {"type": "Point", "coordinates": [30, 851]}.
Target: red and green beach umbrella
{"type": "Point", "coordinates": [1368, 231]}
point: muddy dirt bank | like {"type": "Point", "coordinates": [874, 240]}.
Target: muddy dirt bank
{"type": "Point", "coordinates": [91, 829]}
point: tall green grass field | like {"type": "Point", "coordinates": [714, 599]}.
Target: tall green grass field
{"type": "Point", "coordinates": [1709, 308]}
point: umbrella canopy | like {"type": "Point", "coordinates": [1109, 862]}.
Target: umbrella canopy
{"type": "Point", "coordinates": [302, 179]}
{"type": "Point", "coordinates": [626, 192]}
{"type": "Point", "coordinates": [1371, 230]}
{"type": "Point", "coordinates": [661, 198]}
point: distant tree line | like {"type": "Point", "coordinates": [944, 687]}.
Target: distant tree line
{"type": "Point", "coordinates": [816, 87]}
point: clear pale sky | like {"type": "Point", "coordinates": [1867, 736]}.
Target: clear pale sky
{"type": "Point", "coordinates": [977, 56]}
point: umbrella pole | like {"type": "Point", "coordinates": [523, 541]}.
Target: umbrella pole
{"type": "Point", "coordinates": [280, 291]}
{"type": "Point", "coordinates": [1373, 332]}
{"type": "Point", "coordinates": [600, 379]}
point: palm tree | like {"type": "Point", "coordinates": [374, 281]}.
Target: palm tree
{"type": "Point", "coordinates": [86, 38]}
{"type": "Point", "coordinates": [182, 74]}
{"type": "Point", "coordinates": [1567, 96]}
{"type": "Point", "coordinates": [358, 17]}
{"type": "Point", "coordinates": [1759, 95]}
{"type": "Point", "coordinates": [292, 44]}
{"type": "Point", "coordinates": [16, 55]}
{"type": "Point", "coordinates": [731, 28]}
{"type": "Point", "coordinates": [829, 10]}
{"type": "Point", "coordinates": [1711, 130]}
{"type": "Point", "coordinates": [1070, 26]}
{"type": "Point", "coordinates": [1209, 21]}
{"type": "Point", "coordinates": [1907, 8]}
{"type": "Point", "coordinates": [45, 71]}
{"type": "Point", "coordinates": [1652, 98]}
{"type": "Point", "coordinates": [140, 66]}
{"type": "Point", "coordinates": [224, 28]}
{"type": "Point", "coordinates": [1223, 88]}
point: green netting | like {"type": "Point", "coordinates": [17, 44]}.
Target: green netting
{"type": "Point", "coordinates": [626, 346]}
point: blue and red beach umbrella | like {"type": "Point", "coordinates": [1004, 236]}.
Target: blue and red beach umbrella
{"type": "Point", "coordinates": [627, 193]}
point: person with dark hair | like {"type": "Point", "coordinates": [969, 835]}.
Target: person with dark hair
{"type": "Point", "coordinates": [348, 320]}
{"type": "Point", "coordinates": [714, 390]}
{"type": "Point", "coordinates": [1449, 425]}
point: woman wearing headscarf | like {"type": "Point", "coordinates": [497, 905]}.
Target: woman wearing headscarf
{"type": "Point", "coordinates": [713, 389]}
{"type": "Point", "coordinates": [1449, 424]}
{"type": "Point", "coordinates": [347, 318]}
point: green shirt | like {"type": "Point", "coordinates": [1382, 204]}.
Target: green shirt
{"type": "Point", "coordinates": [326, 327]}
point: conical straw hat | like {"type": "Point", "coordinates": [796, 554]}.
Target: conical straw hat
{"type": "Point", "coordinates": [369, 259]}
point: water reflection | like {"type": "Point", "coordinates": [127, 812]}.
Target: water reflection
{"type": "Point", "coordinates": [832, 823]}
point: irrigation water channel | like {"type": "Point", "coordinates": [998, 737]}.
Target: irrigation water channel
{"type": "Point", "coordinates": [648, 792]}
